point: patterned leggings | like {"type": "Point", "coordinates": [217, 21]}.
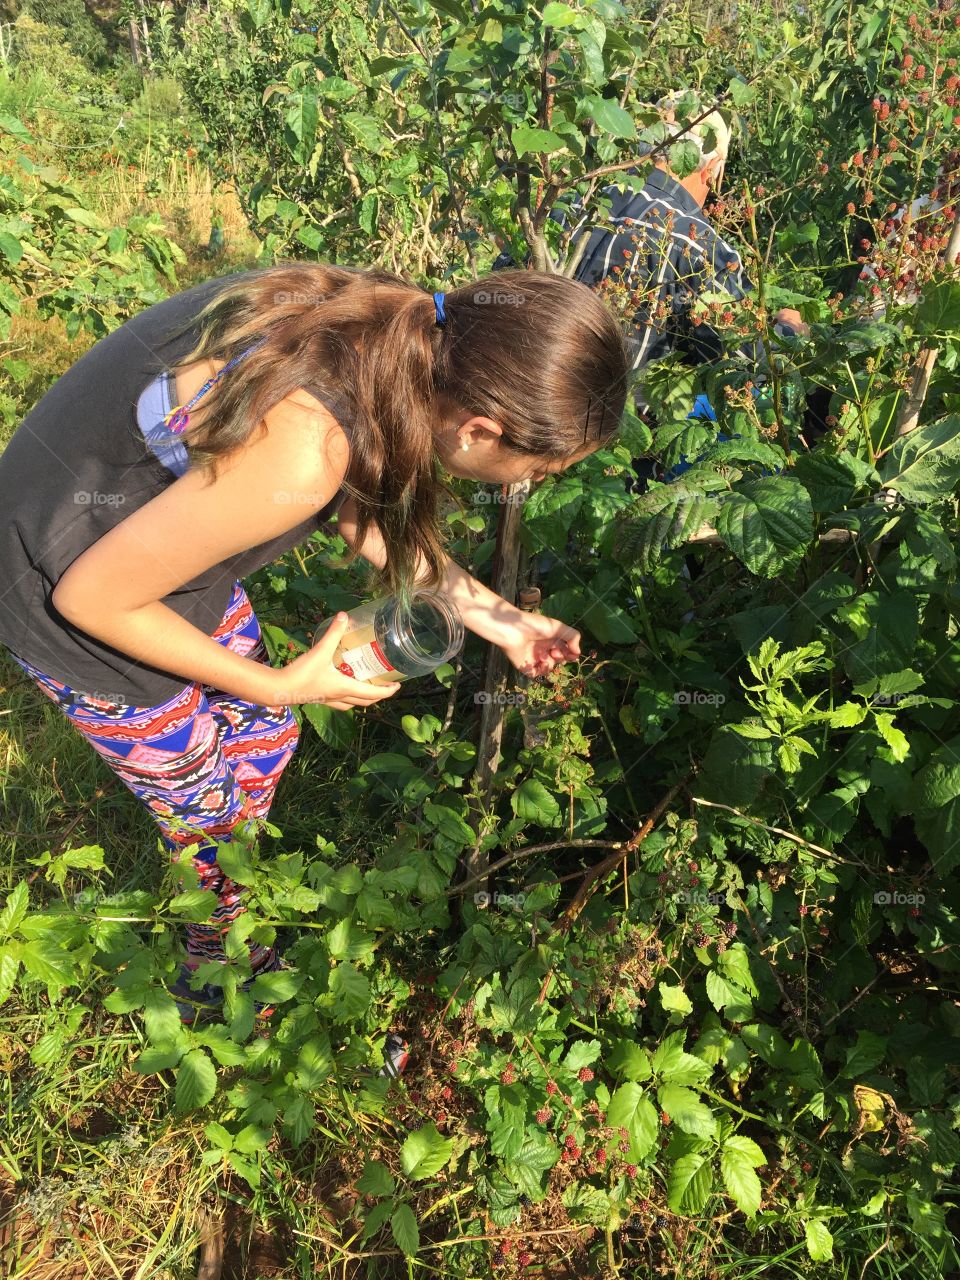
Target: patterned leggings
{"type": "Point", "coordinates": [203, 762]}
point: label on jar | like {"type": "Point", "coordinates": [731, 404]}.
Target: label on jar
{"type": "Point", "coordinates": [364, 661]}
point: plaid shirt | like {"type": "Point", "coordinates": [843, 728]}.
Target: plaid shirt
{"type": "Point", "coordinates": [665, 248]}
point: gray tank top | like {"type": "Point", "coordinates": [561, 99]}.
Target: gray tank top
{"type": "Point", "coordinates": [92, 451]}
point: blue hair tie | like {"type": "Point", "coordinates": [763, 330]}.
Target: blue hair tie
{"type": "Point", "coordinates": [441, 313]}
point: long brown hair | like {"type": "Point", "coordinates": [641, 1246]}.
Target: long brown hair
{"type": "Point", "coordinates": [540, 354]}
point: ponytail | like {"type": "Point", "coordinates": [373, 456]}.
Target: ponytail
{"type": "Point", "coordinates": [540, 354]}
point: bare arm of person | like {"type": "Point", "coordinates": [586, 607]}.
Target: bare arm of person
{"type": "Point", "coordinates": [292, 464]}
{"type": "Point", "coordinates": [527, 638]}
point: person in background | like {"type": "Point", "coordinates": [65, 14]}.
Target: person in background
{"type": "Point", "coordinates": [658, 243]}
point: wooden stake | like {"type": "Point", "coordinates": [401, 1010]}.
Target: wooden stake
{"type": "Point", "coordinates": [505, 568]}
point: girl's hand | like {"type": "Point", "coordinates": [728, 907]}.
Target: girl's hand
{"type": "Point", "coordinates": [539, 644]}
{"type": "Point", "coordinates": [313, 678]}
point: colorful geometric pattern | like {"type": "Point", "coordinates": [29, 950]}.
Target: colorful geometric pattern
{"type": "Point", "coordinates": [203, 762]}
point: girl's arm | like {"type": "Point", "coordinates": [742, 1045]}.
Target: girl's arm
{"type": "Point", "coordinates": [526, 638]}
{"type": "Point", "coordinates": [291, 466]}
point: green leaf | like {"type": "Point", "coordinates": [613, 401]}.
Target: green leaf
{"type": "Point", "coordinates": [924, 465]}
{"type": "Point", "coordinates": [659, 521]}
{"type": "Point", "coordinates": [631, 1109]}
{"type": "Point", "coordinates": [299, 1118]}
{"type": "Point", "coordinates": [868, 1052]}
{"type": "Point", "coordinates": [351, 992]}
{"type": "Point", "coordinates": [16, 128]}
{"type": "Point", "coordinates": [275, 988]}
{"type": "Point", "coordinates": [674, 999]}
{"type": "Point", "coordinates": [301, 119]}
{"type": "Point", "coordinates": [831, 480]}
{"type": "Point", "coordinates": [742, 93]}
{"type": "Point", "coordinates": [687, 1111]}
{"type": "Point", "coordinates": [9, 968]}
{"type": "Point", "coordinates": [526, 138]}
{"type": "Point", "coordinates": [10, 247]}
{"type": "Point", "coordinates": [196, 905]}
{"type": "Point", "coordinates": [938, 311]}
{"type": "Point", "coordinates": [537, 1155]}
{"type": "Point", "coordinates": [735, 962]}
{"type": "Point", "coordinates": [161, 1018]}
{"type": "Point", "coordinates": [405, 1230]}
{"type": "Point", "coordinates": [314, 1062]}
{"type": "Point", "coordinates": [376, 1179]}
{"type": "Point", "coordinates": [559, 15]}
{"type": "Point", "coordinates": [725, 995]}
{"type": "Point", "coordinates": [767, 523]}
{"type": "Point", "coordinates": [610, 117]}
{"type": "Point", "coordinates": [335, 728]}
{"type": "Point", "coordinates": [196, 1081]}
{"type": "Point", "coordinates": [533, 801]}
{"type": "Point", "coordinates": [347, 941]}
{"type": "Point", "coordinates": [890, 641]}
{"type": "Point", "coordinates": [156, 1059]}
{"type": "Point", "coordinates": [689, 1183]}
{"type": "Point", "coordinates": [14, 910]}
{"type": "Point", "coordinates": [683, 157]}
{"type": "Point", "coordinates": [46, 961]}
{"type": "Point", "coordinates": [424, 1152]}
{"type": "Point", "coordinates": [819, 1240]}
{"type": "Point", "coordinates": [739, 1177]}
{"type": "Point", "coordinates": [86, 218]}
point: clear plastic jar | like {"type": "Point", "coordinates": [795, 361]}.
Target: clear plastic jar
{"type": "Point", "coordinates": [384, 643]}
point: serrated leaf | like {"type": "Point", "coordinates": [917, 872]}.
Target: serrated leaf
{"type": "Point", "coordinates": [687, 1111]}
{"type": "Point", "coordinates": [275, 988]}
{"type": "Point", "coordinates": [533, 801]}
{"type": "Point", "coordinates": [689, 1183]}
{"type": "Point", "coordinates": [674, 999]}
{"type": "Point", "coordinates": [630, 1108]}
{"type": "Point", "coordinates": [405, 1230]}
{"type": "Point", "coordinates": [196, 905]}
{"type": "Point", "coordinates": [155, 1059]}
{"type": "Point", "coordinates": [376, 1179]}
{"type": "Point", "coordinates": [351, 992]}
{"type": "Point", "coordinates": [740, 1179]}
{"type": "Point", "coordinates": [659, 521]}
{"type": "Point", "coordinates": [767, 523]}
{"type": "Point", "coordinates": [924, 465]}
{"type": "Point", "coordinates": [161, 1018]}
{"type": "Point", "coordinates": [424, 1152]}
{"type": "Point", "coordinates": [314, 1062]}
{"type": "Point", "coordinates": [818, 1239]}
{"type": "Point", "coordinates": [10, 247]}
{"type": "Point", "coordinates": [14, 909]}
{"type": "Point", "coordinates": [298, 1119]}
{"type": "Point", "coordinates": [196, 1081]}
{"type": "Point", "coordinates": [335, 728]}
